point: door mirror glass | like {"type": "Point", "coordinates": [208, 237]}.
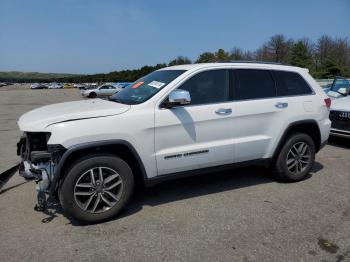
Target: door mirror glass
{"type": "Point", "coordinates": [179, 97]}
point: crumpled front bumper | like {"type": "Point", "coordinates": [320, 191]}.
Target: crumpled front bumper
{"type": "Point", "coordinates": [42, 173]}
{"type": "Point", "coordinates": [38, 165]}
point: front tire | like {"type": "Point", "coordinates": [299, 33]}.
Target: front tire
{"type": "Point", "coordinates": [296, 158]}
{"type": "Point", "coordinates": [96, 188]}
{"type": "Point", "coordinates": [92, 95]}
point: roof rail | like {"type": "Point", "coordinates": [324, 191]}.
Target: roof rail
{"type": "Point", "coordinates": [252, 62]}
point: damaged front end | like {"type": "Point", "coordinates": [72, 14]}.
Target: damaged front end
{"type": "Point", "coordinates": [39, 161]}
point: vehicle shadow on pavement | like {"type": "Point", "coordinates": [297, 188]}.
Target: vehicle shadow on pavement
{"type": "Point", "coordinates": [199, 185]}
{"type": "Point", "coordinates": [339, 142]}
{"type": "Point", "coordinates": [185, 188]}
{"type": "Point", "coordinates": [206, 184]}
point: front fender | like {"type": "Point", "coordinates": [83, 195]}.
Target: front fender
{"type": "Point", "coordinates": [83, 146]}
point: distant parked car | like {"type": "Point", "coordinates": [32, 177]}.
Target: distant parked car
{"type": "Point", "coordinates": [68, 85]}
{"type": "Point", "coordinates": [55, 85]}
{"type": "Point", "coordinates": [38, 86]}
{"type": "Point", "coordinates": [339, 88]}
{"type": "Point", "coordinates": [340, 117]}
{"type": "Point", "coordinates": [101, 91]}
{"type": "Point", "coordinates": [88, 86]}
{"type": "Point", "coordinates": [79, 86]}
{"type": "Point", "coordinates": [122, 84]}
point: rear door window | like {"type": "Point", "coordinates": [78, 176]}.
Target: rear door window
{"type": "Point", "coordinates": [291, 84]}
{"type": "Point", "coordinates": [253, 84]}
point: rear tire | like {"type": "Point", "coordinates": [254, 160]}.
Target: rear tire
{"type": "Point", "coordinates": [96, 188]}
{"type": "Point", "coordinates": [295, 158]}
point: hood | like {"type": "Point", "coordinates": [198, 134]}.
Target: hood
{"type": "Point", "coordinates": [334, 95]}
{"type": "Point", "coordinates": [38, 119]}
{"type": "Point", "coordinates": [341, 104]}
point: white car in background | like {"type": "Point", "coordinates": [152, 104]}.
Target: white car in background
{"type": "Point", "coordinates": [339, 88]}
{"type": "Point", "coordinates": [4, 84]}
{"type": "Point", "coordinates": [339, 92]}
{"type": "Point", "coordinates": [55, 85]}
{"type": "Point", "coordinates": [101, 91]}
{"type": "Point", "coordinates": [38, 86]}
{"type": "Point", "coordinates": [79, 86]}
{"type": "Point", "coordinates": [340, 117]}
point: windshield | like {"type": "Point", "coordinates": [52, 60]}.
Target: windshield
{"type": "Point", "coordinates": [145, 87]}
{"type": "Point", "coordinates": [340, 83]}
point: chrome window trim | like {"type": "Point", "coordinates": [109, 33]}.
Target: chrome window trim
{"type": "Point", "coordinates": [313, 93]}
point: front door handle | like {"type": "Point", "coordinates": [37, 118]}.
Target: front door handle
{"type": "Point", "coordinates": [223, 111]}
{"type": "Point", "coordinates": [281, 105]}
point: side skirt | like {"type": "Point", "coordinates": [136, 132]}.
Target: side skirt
{"type": "Point", "coordinates": [158, 179]}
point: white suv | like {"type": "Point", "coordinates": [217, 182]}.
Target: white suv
{"type": "Point", "coordinates": [177, 121]}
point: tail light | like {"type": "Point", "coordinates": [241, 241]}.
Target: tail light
{"type": "Point", "coordinates": [328, 102]}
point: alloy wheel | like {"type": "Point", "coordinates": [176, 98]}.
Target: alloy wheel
{"type": "Point", "coordinates": [98, 189]}
{"type": "Point", "coordinates": [298, 157]}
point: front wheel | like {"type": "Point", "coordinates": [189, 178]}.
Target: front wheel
{"type": "Point", "coordinates": [92, 95]}
{"type": "Point", "coordinates": [96, 188]}
{"type": "Point", "coordinates": [296, 158]}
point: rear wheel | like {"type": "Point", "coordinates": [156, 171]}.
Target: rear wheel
{"type": "Point", "coordinates": [296, 158]}
{"type": "Point", "coordinates": [96, 188]}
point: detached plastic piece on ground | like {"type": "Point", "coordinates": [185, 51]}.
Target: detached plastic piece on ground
{"type": "Point", "coordinates": [5, 176]}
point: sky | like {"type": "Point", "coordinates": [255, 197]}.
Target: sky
{"type": "Point", "coordinates": [85, 36]}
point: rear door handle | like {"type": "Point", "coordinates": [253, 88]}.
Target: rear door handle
{"type": "Point", "coordinates": [281, 105]}
{"type": "Point", "coordinates": [223, 111]}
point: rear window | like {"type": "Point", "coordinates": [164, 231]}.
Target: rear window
{"type": "Point", "coordinates": [290, 84]}
{"type": "Point", "coordinates": [253, 84]}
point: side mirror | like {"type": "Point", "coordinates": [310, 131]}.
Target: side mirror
{"type": "Point", "coordinates": [178, 97]}
{"type": "Point", "coordinates": [343, 91]}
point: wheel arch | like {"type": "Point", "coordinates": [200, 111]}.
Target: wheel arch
{"type": "Point", "coordinates": [92, 94]}
{"type": "Point", "coordinates": [309, 127]}
{"type": "Point", "coordinates": [120, 148]}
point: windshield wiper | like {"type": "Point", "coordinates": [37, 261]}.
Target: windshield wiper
{"type": "Point", "coordinates": [341, 93]}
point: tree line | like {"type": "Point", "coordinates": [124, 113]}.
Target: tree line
{"type": "Point", "coordinates": [325, 58]}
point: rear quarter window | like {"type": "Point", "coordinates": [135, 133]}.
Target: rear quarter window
{"type": "Point", "coordinates": [291, 84]}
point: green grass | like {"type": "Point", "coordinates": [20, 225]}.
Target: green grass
{"type": "Point", "coordinates": [14, 76]}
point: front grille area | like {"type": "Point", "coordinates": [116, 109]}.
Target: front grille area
{"type": "Point", "coordinates": [340, 120]}
{"type": "Point", "coordinates": [32, 142]}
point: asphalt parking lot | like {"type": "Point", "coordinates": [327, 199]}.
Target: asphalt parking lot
{"type": "Point", "coordinates": [238, 215]}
